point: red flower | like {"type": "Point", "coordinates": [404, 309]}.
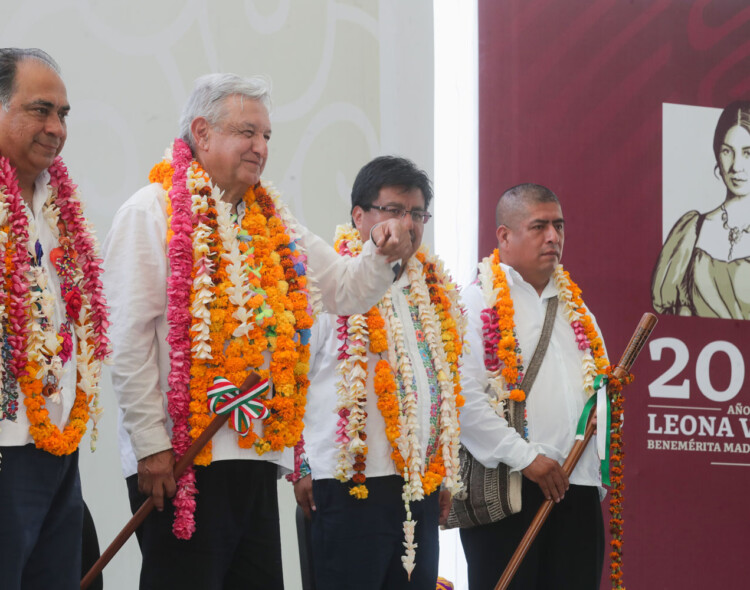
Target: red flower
{"type": "Point", "coordinates": [73, 302]}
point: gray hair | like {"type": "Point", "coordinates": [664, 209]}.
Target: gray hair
{"type": "Point", "coordinates": [208, 96]}
{"type": "Point", "coordinates": [10, 57]}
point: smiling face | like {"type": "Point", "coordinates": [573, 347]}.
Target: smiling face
{"type": "Point", "coordinates": [734, 161]}
{"type": "Point", "coordinates": [234, 152]}
{"type": "Point", "coordinates": [534, 245]}
{"type": "Point", "coordinates": [33, 128]}
{"type": "Point", "coordinates": [395, 198]}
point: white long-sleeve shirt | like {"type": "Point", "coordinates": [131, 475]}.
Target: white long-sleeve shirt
{"type": "Point", "coordinates": [555, 402]}
{"type": "Point", "coordinates": [17, 433]}
{"type": "Point", "coordinates": [135, 279]}
{"type": "Point", "coordinates": [321, 418]}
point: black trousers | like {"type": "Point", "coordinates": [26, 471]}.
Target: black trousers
{"type": "Point", "coordinates": [236, 544]}
{"type": "Point", "coordinates": [358, 543]}
{"type": "Point", "coordinates": [568, 553]}
{"type": "Point", "coordinates": [41, 519]}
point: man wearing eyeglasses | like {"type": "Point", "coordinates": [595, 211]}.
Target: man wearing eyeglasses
{"type": "Point", "coordinates": [381, 424]}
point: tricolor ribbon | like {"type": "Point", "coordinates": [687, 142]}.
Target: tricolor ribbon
{"type": "Point", "coordinates": [224, 397]}
{"type": "Point", "coordinates": [603, 416]}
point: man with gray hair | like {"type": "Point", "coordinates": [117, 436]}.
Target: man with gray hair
{"type": "Point", "coordinates": [210, 276]}
{"type": "Point", "coordinates": [52, 330]}
{"type": "Point", "coordinates": [521, 303]}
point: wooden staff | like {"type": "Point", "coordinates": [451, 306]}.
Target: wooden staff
{"type": "Point", "coordinates": [639, 338]}
{"type": "Point", "coordinates": [184, 462]}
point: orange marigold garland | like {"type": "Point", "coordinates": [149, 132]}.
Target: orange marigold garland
{"type": "Point", "coordinates": [247, 300]}
{"type": "Point", "coordinates": [443, 322]}
{"type": "Point", "coordinates": [505, 370]}
{"type": "Point", "coordinates": [33, 351]}
{"type": "Point", "coordinates": [617, 477]}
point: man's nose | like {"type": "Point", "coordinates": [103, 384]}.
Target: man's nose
{"type": "Point", "coordinates": [408, 220]}
{"type": "Point", "coordinates": [260, 147]}
{"type": "Point", "coordinates": [54, 125]}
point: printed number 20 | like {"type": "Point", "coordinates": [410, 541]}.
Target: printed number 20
{"type": "Point", "coordinates": [660, 387]}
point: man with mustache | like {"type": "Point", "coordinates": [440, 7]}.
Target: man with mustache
{"type": "Point", "coordinates": [506, 308]}
{"type": "Point", "coordinates": [210, 276]}
{"type": "Point", "coordinates": [52, 330]}
{"type": "Point", "coordinates": [381, 429]}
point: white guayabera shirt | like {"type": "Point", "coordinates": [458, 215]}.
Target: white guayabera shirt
{"type": "Point", "coordinates": [135, 280]}
{"type": "Point", "coordinates": [555, 402]}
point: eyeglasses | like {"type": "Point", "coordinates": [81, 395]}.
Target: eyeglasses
{"type": "Point", "coordinates": [417, 215]}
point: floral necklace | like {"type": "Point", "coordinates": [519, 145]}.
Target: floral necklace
{"type": "Point", "coordinates": [502, 358]}
{"type": "Point", "coordinates": [234, 293]}
{"type": "Point", "coordinates": [443, 322]}
{"type": "Point", "coordinates": [33, 351]}
{"type": "Point", "coordinates": [502, 353]}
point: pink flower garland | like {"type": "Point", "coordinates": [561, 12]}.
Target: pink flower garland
{"type": "Point", "coordinates": [85, 251]}
{"type": "Point", "coordinates": [180, 256]}
{"type": "Point", "coordinates": [491, 338]}
{"type": "Point", "coordinates": [580, 332]}
{"type": "Point", "coordinates": [19, 286]}
{"type": "Point", "coordinates": [83, 245]}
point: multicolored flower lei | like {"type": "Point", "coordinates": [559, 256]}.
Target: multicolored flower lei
{"type": "Point", "coordinates": [505, 370]}
{"type": "Point", "coordinates": [443, 322]}
{"type": "Point", "coordinates": [586, 334]}
{"type": "Point", "coordinates": [33, 352]}
{"type": "Point", "coordinates": [234, 293]}
{"type": "Point", "coordinates": [502, 353]}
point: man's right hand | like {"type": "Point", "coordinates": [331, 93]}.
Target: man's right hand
{"type": "Point", "coordinates": [550, 477]}
{"type": "Point", "coordinates": [394, 239]}
{"type": "Point", "coordinates": [156, 477]}
{"type": "Point", "coordinates": [304, 496]}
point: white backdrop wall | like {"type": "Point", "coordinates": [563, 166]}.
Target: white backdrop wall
{"type": "Point", "coordinates": [351, 80]}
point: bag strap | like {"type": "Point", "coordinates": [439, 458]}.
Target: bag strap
{"type": "Point", "coordinates": [517, 409]}
{"type": "Point", "coordinates": [541, 347]}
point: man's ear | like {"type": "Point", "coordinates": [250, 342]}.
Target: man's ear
{"type": "Point", "coordinates": [200, 128]}
{"type": "Point", "coordinates": [357, 214]}
{"type": "Point", "coordinates": [503, 235]}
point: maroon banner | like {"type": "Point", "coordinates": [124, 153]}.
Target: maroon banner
{"type": "Point", "coordinates": [614, 104]}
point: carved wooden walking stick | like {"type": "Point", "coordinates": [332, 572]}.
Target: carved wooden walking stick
{"type": "Point", "coordinates": [621, 371]}
{"type": "Point", "coordinates": [182, 464]}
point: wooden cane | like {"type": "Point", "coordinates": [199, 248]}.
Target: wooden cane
{"type": "Point", "coordinates": [184, 462]}
{"type": "Point", "coordinates": [639, 338]}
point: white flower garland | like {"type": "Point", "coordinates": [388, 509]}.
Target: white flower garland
{"type": "Point", "coordinates": [44, 343]}
{"type": "Point", "coordinates": [352, 395]}
{"type": "Point", "coordinates": [202, 282]}
{"type": "Point", "coordinates": [351, 383]}
{"type": "Point", "coordinates": [572, 314]}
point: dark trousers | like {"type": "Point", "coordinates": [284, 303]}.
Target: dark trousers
{"type": "Point", "coordinates": [567, 554]}
{"type": "Point", "coordinates": [236, 544]}
{"type": "Point", "coordinates": [41, 518]}
{"type": "Point", "coordinates": [358, 543]}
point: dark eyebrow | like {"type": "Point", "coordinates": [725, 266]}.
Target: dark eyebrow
{"type": "Point", "coordinates": [548, 221]}
{"type": "Point", "coordinates": [40, 102]}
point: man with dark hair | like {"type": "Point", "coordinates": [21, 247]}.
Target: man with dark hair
{"type": "Point", "coordinates": [381, 425]}
{"type": "Point", "coordinates": [210, 276]}
{"type": "Point", "coordinates": [518, 285]}
{"type": "Point", "coordinates": [52, 330]}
